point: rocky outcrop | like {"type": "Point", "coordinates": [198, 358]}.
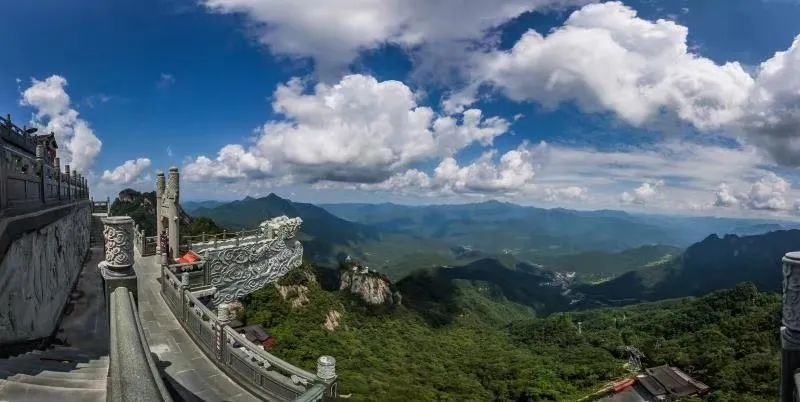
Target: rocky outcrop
{"type": "Point", "coordinates": [332, 320]}
{"type": "Point", "coordinates": [370, 286]}
{"type": "Point", "coordinates": [296, 295]}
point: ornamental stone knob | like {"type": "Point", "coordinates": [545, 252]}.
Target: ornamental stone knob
{"type": "Point", "coordinates": [326, 367]}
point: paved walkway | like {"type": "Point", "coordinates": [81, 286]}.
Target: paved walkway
{"type": "Point", "coordinates": [189, 371]}
{"type": "Point", "coordinates": [84, 324]}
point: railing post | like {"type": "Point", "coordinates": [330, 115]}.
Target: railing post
{"type": "Point", "coordinates": [108, 205]}
{"type": "Point", "coordinates": [117, 269]}
{"type": "Point", "coordinates": [40, 170]}
{"type": "Point", "coordinates": [68, 182]}
{"type": "Point", "coordinates": [58, 177]}
{"type": "Point", "coordinates": [790, 330]}
{"type": "Point", "coordinates": [326, 371]}
{"type": "Point", "coordinates": [3, 176]}
{"type": "Point", "coordinates": [203, 237]}
{"type": "Point", "coordinates": [223, 319]}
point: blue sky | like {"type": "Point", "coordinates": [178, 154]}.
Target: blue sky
{"type": "Point", "coordinates": [582, 104]}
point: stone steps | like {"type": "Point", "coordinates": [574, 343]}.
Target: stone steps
{"type": "Point", "coordinates": [19, 391]}
{"type": "Point", "coordinates": [56, 382]}
{"type": "Point", "coordinates": [61, 374]}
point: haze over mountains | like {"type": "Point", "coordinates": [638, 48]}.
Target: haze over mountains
{"type": "Point", "coordinates": [398, 239]}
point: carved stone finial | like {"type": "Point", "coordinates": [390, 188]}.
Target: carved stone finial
{"type": "Point", "coordinates": [791, 300]}
{"type": "Point", "coordinates": [160, 183]}
{"type": "Point", "coordinates": [185, 279]}
{"type": "Point", "coordinates": [173, 184]}
{"type": "Point", "coordinates": [118, 233]}
{"type": "Point", "coordinates": [223, 313]}
{"type": "Point", "coordinates": [326, 367]}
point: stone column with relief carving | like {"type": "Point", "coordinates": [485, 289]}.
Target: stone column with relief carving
{"type": "Point", "coordinates": [790, 330]}
{"type": "Point", "coordinates": [326, 371]}
{"type": "Point", "coordinates": [117, 269]}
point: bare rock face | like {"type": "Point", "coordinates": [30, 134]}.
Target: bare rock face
{"type": "Point", "coordinates": [297, 295]}
{"type": "Point", "coordinates": [372, 287]}
{"type": "Point", "coordinates": [332, 320]}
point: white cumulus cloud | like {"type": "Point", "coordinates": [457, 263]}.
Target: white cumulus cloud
{"type": "Point", "coordinates": [78, 145]}
{"type": "Point", "coordinates": [333, 33]}
{"type": "Point", "coordinates": [643, 194]}
{"type": "Point", "coordinates": [767, 193]}
{"type": "Point", "coordinates": [510, 173]}
{"type": "Point", "coordinates": [606, 58]}
{"type": "Point", "coordinates": [358, 130]}
{"type": "Point", "coordinates": [773, 112]}
{"type": "Point", "coordinates": [126, 173]}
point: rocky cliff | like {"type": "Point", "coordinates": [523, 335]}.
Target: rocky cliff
{"type": "Point", "coordinates": [370, 286]}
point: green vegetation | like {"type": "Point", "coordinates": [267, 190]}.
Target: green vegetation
{"type": "Point", "coordinates": [142, 208]}
{"type": "Point", "coordinates": [600, 265]}
{"type": "Point", "coordinates": [712, 264]}
{"type": "Point", "coordinates": [492, 348]}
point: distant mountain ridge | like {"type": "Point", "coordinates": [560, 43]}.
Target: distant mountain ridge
{"type": "Point", "coordinates": [712, 264]}
{"type": "Point", "coordinates": [399, 239]}
{"type": "Point", "coordinates": [320, 232]}
{"type": "Point", "coordinates": [602, 230]}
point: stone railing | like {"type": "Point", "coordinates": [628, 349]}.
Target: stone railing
{"type": "Point", "coordinates": [208, 240]}
{"type": "Point", "coordinates": [133, 375]}
{"type": "Point", "coordinates": [101, 207]}
{"type": "Point", "coordinates": [144, 245]}
{"type": "Point", "coordinates": [29, 180]}
{"type": "Point", "coordinates": [790, 330]}
{"type": "Point", "coordinates": [262, 373]}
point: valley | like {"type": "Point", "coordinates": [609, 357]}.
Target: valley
{"type": "Point", "coordinates": [498, 301]}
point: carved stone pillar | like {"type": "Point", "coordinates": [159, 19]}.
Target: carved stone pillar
{"type": "Point", "coordinates": [223, 313]}
{"type": "Point", "coordinates": [173, 211]}
{"type": "Point", "coordinates": [160, 184]}
{"type": "Point", "coordinates": [117, 269]}
{"type": "Point", "coordinates": [57, 167]}
{"type": "Point", "coordinates": [68, 182]}
{"type": "Point", "coordinates": [223, 319]}
{"type": "Point", "coordinates": [326, 371]}
{"type": "Point", "coordinates": [790, 331]}
{"type": "Point", "coordinates": [326, 367]}
{"type": "Point", "coordinates": [118, 234]}
{"type": "Point", "coordinates": [40, 168]}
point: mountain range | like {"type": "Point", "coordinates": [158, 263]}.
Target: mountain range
{"type": "Point", "coordinates": [399, 239]}
{"type": "Point", "coordinates": [712, 264]}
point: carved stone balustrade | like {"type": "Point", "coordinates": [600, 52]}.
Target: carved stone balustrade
{"type": "Point", "coordinates": [240, 268]}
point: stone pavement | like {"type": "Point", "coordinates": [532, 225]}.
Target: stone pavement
{"type": "Point", "coordinates": [84, 325]}
{"type": "Point", "coordinates": [187, 369]}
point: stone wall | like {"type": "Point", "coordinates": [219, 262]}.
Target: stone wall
{"type": "Point", "coordinates": [38, 271]}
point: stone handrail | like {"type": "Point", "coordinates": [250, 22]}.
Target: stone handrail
{"type": "Point", "coordinates": [145, 245]}
{"type": "Point", "coordinates": [294, 373]}
{"type": "Point", "coordinates": [257, 370]}
{"type": "Point", "coordinates": [133, 375]}
{"type": "Point", "coordinates": [201, 241]}
{"type": "Point", "coordinates": [101, 206]}
{"type": "Point", "coordinates": [30, 180]}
